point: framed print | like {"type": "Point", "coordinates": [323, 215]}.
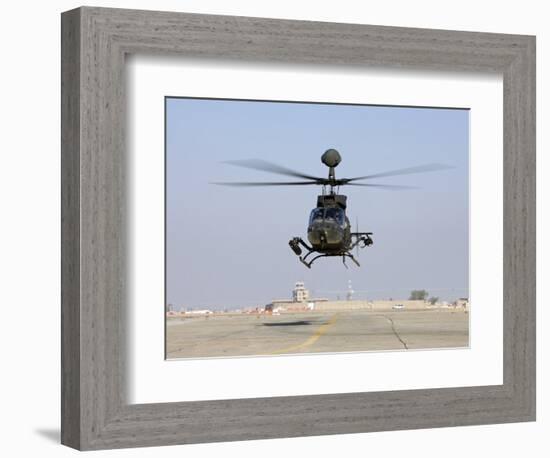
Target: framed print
{"type": "Point", "coordinates": [252, 205]}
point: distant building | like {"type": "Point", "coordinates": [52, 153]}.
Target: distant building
{"type": "Point", "coordinates": [300, 293]}
{"type": "Point", "coordinates": [462, 302]}
{"type": "Point", "coordinates": [301, 301]}
{"type": "Point", "coordinates": [198, 312]}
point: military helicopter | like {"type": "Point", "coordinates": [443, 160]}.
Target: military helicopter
{"type": "Point", "coordinates": [329, 230]}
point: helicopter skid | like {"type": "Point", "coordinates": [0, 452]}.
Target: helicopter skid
{"type": "Point", "coordinates": [325, 255]}
{"type": "Point", "coordinates": [296, 243]}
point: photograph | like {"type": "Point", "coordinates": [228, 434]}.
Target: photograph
{"type": "Point", "coordinates": [275, 229]}
{"type": "Point", "coordinates": [298, 227]}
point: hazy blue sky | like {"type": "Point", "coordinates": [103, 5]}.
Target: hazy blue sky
{"type": "Point", "coordinates": [228, 247]}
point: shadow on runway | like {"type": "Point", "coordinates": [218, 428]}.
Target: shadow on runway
{"type": "Point", "coordinates": [290, 323]}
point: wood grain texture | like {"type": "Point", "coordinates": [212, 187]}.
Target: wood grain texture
{"type": "Point", "coordinates": [70, 229]}
{"type": "Point", "coordinates": [95, 411]}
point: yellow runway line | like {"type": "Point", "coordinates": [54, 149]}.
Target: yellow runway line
{"type": "Point", "coordinates": [311, 340]}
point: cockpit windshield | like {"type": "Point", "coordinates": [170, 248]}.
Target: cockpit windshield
{"type": "Point", "coordinates": [336, 214]}
{"type": "Point", "coordinates": [331, 214]}
{"type": "Point", "coordinates": [316, 215]}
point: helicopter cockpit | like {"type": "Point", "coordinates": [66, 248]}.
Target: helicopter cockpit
{"type": "Point", "coordinates": [334, 214]}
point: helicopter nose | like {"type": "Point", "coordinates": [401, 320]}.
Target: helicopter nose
{"type": "Point", "coordinates": [324, 236]}
{"type": "Point", "coordinates": [317, 236]}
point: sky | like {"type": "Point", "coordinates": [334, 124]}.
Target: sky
{"type": "Point", "coordinates": [227, 247]}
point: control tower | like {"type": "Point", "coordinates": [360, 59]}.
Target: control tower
{"type": "Point", "coordinates": [300, 293]}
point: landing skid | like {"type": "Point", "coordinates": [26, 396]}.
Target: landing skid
{"type": "Point", "coordinates": [297, 243]}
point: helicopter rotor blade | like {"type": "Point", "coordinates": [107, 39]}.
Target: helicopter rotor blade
{"type": "Point", "coordinates": [264, 183]}
{"type": "Point", "coordinates": [406, 171]}
{"type": "Point", "coordinates": [391, 187]}
{"type": "Point", "coordinates": [266, 166]}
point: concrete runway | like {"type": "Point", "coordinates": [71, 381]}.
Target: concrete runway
{"type": "Point", "coordinates": [314, 332]}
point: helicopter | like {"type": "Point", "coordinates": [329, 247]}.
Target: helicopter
{"type": "Point", "coordinates": [329, 230]}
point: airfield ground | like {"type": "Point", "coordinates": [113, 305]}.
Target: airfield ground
{"type": "Point", "coordinates": [314, 332]}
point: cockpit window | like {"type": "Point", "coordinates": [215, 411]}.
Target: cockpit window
{"type": "Point", "coordinates": [316, 214]}
{"type": "Point", "coordinates": [334, 214]}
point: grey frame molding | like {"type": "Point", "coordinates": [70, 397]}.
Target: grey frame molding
{"type": "Point", "coordinates": [95, 413]}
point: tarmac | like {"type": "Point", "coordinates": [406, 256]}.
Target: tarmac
{"type": "Point", "coordinates": [228, 335]}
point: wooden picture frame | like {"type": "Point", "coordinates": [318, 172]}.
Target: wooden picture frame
{"type": "Point", "coordinates": [95, 411]}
